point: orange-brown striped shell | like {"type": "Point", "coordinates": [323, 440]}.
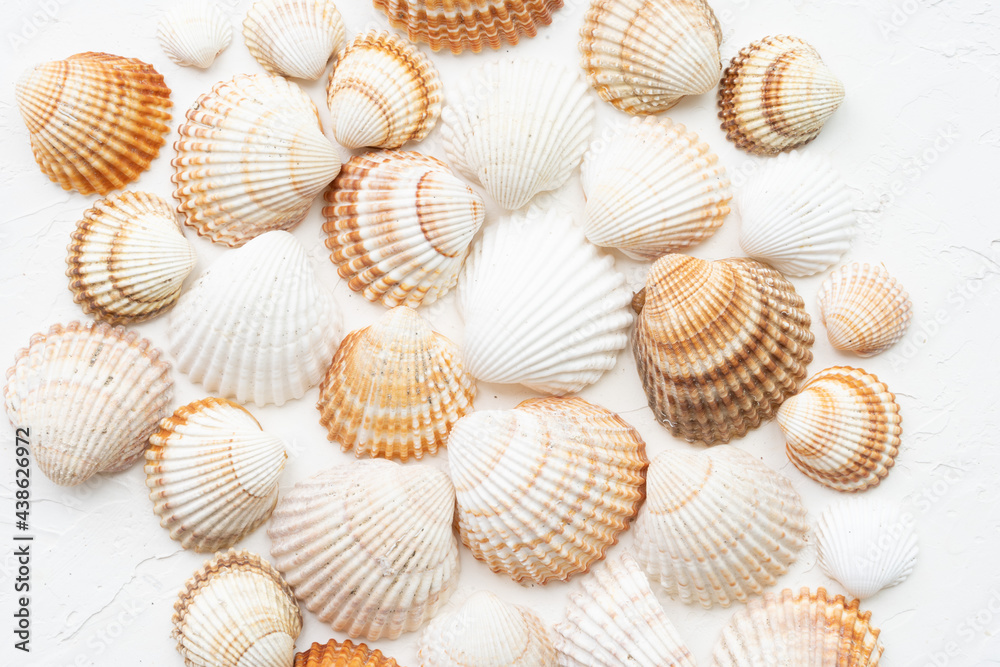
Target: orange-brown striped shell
{"type": "Point", "coordinates": [342, 654]}
{"type": "Point", "coordinates": [866, 311]}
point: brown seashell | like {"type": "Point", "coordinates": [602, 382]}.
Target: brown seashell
{"type": "Point", "coordinates": [342, 654]}
{"type": "Point", "coordinates": [866, 311]}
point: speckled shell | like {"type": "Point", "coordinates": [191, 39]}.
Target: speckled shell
{"type": "Point", "coordinates": [594, 467]}
{"type": "Point", "coordinates": [719, 345]}
{"type": "Point", "coordinates": [842, 429]}
{"type": "Point", "coordinates": [653, 187]}
{"type": "Point", "coordinates": [395, 389]}
{"type": "Point", "coordinates": [294, 38]}
{"type": "Point", "coordinates": [643, 56]}
{"type": "Point", "coordinates": [866, 311]}
{"type": "Point", "coordinates": [251, 157]}
{"type": "Point", "coordinates": [399, 226]}
{"type": "Point", "coordinates": [91, 395]}
{"type": "Point", "coordinates": [342, 654]}
{"type": "Point", "coordinates": [257, 325]}
{"type": "Point", "coordinates": [96, 121]}
{"type": "Point", "coordinates": [236, 611]}
{"type": "Point", "coordinates": [193, 32]}
{"type": "Point", "coordinates": [368, 545]}
{"type": "Point", "coordinates": [521, 128]}
{"type": "Point", "coordinates": [776, 95]}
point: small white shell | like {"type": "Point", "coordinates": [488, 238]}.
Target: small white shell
{"type": "Point", "coordinates": [193, 32]}
{"type": "Point", "coordinates": [865, 310]}
{"type": "Point", "coordinates": [294, 38]}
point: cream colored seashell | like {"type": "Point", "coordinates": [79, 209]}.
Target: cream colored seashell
{"type": "Point", "coordinates": [90, 395]}
{"type": "Point", "coordinates": [236, 611]}
{"type": "Point", "coordinates": [542, 307]}
{"type": "Point", "coordinates": [382, 92]}
{"type": "Point", "coordinates": [522, 130]}
{"type": "Point", "coordinates": [643, 56]}
{"type": "Point", "coordinates": [193, 32]}
{"type": "Point", "coordinates": [842, 429]}
{"type": "Point", "coordinates": [251, 158]}
{"type": "Point", "coordinates": [865, 310]}
{"type": "Point", "coordinates": [96, 121]}
{"type": "Point", "coordinates": [257, 325]}
{"type": "Point", "coordinates": [718, 345]}
{"type": "Point", "coordinates": [342, 654]}
{"type": "Point", "coordinates": [652, 188]}
{"type": "Point", "coordinates": [213, 474]}
{"type": "Point", "coordinates": [295, 38]}
{"type": "Point", "coordinates": [544, 489]}
{"type": "Point", "coordinates": [400, 225]}
{"type": "Point", "coordinates": [368, 545]}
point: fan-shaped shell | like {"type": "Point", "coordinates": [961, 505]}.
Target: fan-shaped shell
{"type": "Point", "coordinates": [294, 38]}
{"type": "Point", "coordinates": [342, 654]}
{"type": "Point", "coordinates": [96, 121]}
{"type": "Point", "coordinates": [91, 395]}
{"type": "Point", "coordinates": [866, 311]}
{"type": "Point", "coordinates": [193, 32]}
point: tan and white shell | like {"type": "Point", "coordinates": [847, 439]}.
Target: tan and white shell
{"type": "Point", "coordinates": [866, 311]}
{"type": "Point", "coordinates": [342, 654]}
{"type": "Point", "coordinates": [294, 38]}
{"type": "Point", "coordinates": [193, 32]}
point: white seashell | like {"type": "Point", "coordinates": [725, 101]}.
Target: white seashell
{"type": "Point", "coordinates": [193, 32]}
{"type": "Point", "coordinates": [257, 325]}
{"type": "Point", "coordinates": [865, 310]}
{"type": "Point", "coordinates": [294, 38]}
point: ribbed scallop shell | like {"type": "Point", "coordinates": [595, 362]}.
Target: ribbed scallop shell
{"type": "Point", "coordinates": [251, 158]}
{"type": "Point", "coordinates": [294, 38]}
{"type": "Point", "coordinates": [643, 56]}
{"type": "Point", "coordinates": [368, 545]}
{"type": "Point", "coordinates": [842, 429]}
{"type": "Point", "coordinates": [257, 325]}
{"type": "Point", "coordinates": [544, 489]}
{"type": "Point", "coordinates": [96, 121]}
{"type": "Point", "coordinates": [521, 128]}
{"type": "Point", "coordinates": [193, 32]}
{"type": "Point", "coordinates": [653, 187]}
{"type": "Point", "coordinates": [400, 225]}
{"type": "Point", "coordinates": [542, 307]}
{"type": "Point", "coordinates": [776, 95]}
{"type": "Point", "coordinates": [719, 345]}
{"type": "Point", "coordinates": [91, 395]}
{"type": "Point", "coordinates": [342, 654]}
{"type": "Point", "coordinates": [236, 611]}
{"type": "Point", "coordinates": [212, 474]}
{"type": "Point", "coordinates": [866, 311]}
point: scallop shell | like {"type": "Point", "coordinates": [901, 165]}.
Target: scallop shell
{"type": "Point", "coordinates": [522, 130]}
{"type": "Point", "coordinates": [643, 56]}
{"type": "Point", "coordinates": [91, 395]}
{"type": "Point", "coordinates": [544, 489]}
{"type": "Point", "coordinates": [652, 188]}
{"type": "Point", "coordinates": [805, 630]}
{"type": "Point", "coordinates": [383, 92]}
{"type": "Point", "coordinates": [193, 32]}
{"type": "Point", "coordinates": [865, 310]}
{"type": "Point", "coordinates": [96, 121]}
{"type": "Point", "coordinates": [213, 474]}
{"type": "Point", "coordinates": [400, 225]}
{"type": "Point", "coordinates": [776, 95]}
{"type": "Point", "coordinates": [342, 654]}
{"type": "Point", "coordinates": [542, 307]}
{"type": "Point", "coordinates": [257, 325]}
{"type": "Point", "coordinates": [719, 345]}
{"type": "Point", "coordinates": [295, 38]}
{"type": "Point", "coordinates": [368, 545]}
{"type": "Point", "coordinates": [236, 611]}
{"type": "Point", "coordinates": [251, 158]}
{"type": "Point", "coordinates": [842, 429]}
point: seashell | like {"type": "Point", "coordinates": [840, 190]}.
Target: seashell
{"type": "Point", "coordinates": [521, 131]}
{"type": "Point", "coordinates": [643, 56]}
{"type": "Point", "coordinates": [805, 629]}
{"type": "Point", "coordinates": [487, 632]}
{"type": "Point", "coordinates": [295, 38]}
{"type": "Point", "coordinates": [616, 620]}
{"type": "Point", "coordinates": [866, 545]}
{"type": "Point", "coordinates": [776, 95]}
{"type": "Point", "coordinates": [193, 33]}
{"type": "Point", "coordinates": [719, 345]}
{"type": "Point", "coordinates": [383, 92]}
{"type": "Point", "coordinates": [865, 310]}
{"type": "Point", "coordinates": [257, 325]}
{"type": "Point", "coordinates": [251, 158]}
{"type": "Point", "coordinates": [342, 654]}
{"type": "Point", "coordinates": [236, 611]}
{"type": "Point", "coordinates": [96, 121]}
{"type": "Point", "coordinates": [91, 395]}
{"type": "Point", "coordinates": [394, 389]}
{"type": "Point", "coordinates": [213, 474]}
{"type": "Point", "coordinates": [544, 489]}
{"type": "Point", "coordinates": [797, 215]}
{"type": "Point", "coordinates": [842, 429]}
{"type": "Point", "coordinates": [129, 258]}
{"type": "Point", "coordinates": [368, 545]}
{"type": "Point", "coordinates": [400, 225]}
{"type": "Point", "coordinates": [542, 307]}
{"type": "Point", "coordinates": [652, 188]}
